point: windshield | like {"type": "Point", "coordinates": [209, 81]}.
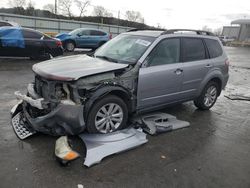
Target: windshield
{"type": "Point", "coordinates": [124, 48]}
{"type": "Point", "coordinates": [74, 32]}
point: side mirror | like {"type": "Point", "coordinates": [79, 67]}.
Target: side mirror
{"type": "Point", "coordinates": [78, 34]}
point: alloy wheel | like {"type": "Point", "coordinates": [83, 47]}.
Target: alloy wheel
{"type": "Point", "coordinates": [109, 118]}
{"type": "Point", "coordinates": [210, 96]}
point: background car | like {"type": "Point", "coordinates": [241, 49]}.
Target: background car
{"type": "Point", "coordinates": [7, 23]}
{"type": "Point", "coordinates": [23, 42]}
{"type": "Point", "coordinates": [83, 38]}
{"type": "Point", "coordinates": [225, 39]}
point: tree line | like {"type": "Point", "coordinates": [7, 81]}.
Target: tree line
{"type": "Point", "coordinates": [64, 8]}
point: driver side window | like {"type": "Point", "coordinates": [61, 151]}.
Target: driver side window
{"type": "Point", "coordinates": [84, 33]}
{"type": "Point", "coordinates": [166, 52]}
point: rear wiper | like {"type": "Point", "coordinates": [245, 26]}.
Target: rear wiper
{"type": "Point", "coordinates": [107, 58]}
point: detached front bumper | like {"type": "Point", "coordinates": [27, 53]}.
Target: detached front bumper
{"type": "Point", "coordinates": [64, 119]}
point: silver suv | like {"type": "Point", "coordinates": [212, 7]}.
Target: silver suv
{"type": "Point", "coordinates": [136, 72]}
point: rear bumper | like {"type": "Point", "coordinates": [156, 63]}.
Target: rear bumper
{"type": "Point", "coordinates": [64, 119]}
{"type": "Point", "coordinates": [225, 80]}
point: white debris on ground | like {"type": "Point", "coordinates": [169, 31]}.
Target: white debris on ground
{"type": "Point", "coordinates": [241, 92]}
{"type": "Point", "coordinates": [80, 186]}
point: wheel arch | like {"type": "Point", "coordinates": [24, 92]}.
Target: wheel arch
{"type": "Point", "coordinates": [110, 90]}
{"type": "Point", "coordinates": [215, 76]}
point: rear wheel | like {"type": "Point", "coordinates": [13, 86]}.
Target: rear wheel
{"type": "Point", "coordinates": [208, 96]}
{"type": "Point", "coordinates": [101, 43]}
{"type": "Point", "coordinates": [107, 115]}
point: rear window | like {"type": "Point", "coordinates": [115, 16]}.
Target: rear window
{"type": "Point", "coordinates": [4, 24]}
{"type": "Point", "coordinates": [193, 49]}
{"type": "Point", "coordinates": [31, 34]}
{"type": "Point", "coordinates": [214, 48]}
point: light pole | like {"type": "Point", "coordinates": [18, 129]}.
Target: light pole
{"type": "Point", "coordinates": [55, 6]}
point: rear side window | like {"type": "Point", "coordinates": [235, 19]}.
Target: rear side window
{"type": "Point", "coordinates": [97, 33]}
{"type": "Point", "coordinates": [214, 48]}
{"type": "Point", "coordinates": [31, 34]}
{"type": "Point", "coordinates": [193, 49]}
{"type": "Point", "coordinates": [4, 24]}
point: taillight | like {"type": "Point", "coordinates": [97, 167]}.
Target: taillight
{"type": "Point", "coordinates": [227, 62]}
{"type": "Point", "coordinates": [58, 43]}
{"type": "Point", "coordinates": [110, 36]}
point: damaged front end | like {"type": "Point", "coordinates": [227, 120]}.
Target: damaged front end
{"type": "Point", "coordinates": [56, 106]}
{"type": "Point", "coordinates": [47, 114]}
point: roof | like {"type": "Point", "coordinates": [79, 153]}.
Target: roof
{"type": "Point", "coordinates": [157, 33]}
{"type": "Point", "coordinates": [150, 33]}
{"type": "Point", "coordinates": [241, 21]}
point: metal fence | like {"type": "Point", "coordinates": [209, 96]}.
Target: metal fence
{"type": "Point", "coordinates": [59, 25]}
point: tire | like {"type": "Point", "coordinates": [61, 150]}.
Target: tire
{"type": "Point", "coordinates": [100, 122]}
{"type": "Point", "coordinates": [208, 96]}
{"type": "Point", "coordinates": [69, 46]}
{"type": "Point", "coordinates": [48, 56]}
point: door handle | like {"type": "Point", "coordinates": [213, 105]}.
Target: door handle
{"type": "Point", "coordinates": [178, 71]}
{"type": "Point", "coordinates": [208, 65]}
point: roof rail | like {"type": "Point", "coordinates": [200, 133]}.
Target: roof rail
{"type": "Point", "coordinates": [150, 29]}
{"type": "Point", "coordinates": [198, 32]}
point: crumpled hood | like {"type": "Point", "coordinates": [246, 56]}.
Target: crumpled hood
{"type": "Point", "coordinates": [74, 67]}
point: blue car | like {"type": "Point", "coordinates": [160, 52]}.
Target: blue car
{"type": "Point", "coordinates": [83, 38]}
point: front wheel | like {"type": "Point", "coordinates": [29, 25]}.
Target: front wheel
{"type": "Point", "coordinates": [107, 115]}
{"type": "Point", "coordinates": [208, 96]}
{"type": "Point", "coordinates": [70, 46]}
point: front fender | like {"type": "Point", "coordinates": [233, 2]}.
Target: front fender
{"type": "Point", "coordinates": [100, 93]}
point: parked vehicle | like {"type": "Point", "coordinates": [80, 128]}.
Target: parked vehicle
{"type": "Point", "coordinates": [225, 39]}
{"type": "Point", "coordinates": [7, 23]}
{"type": "Point", "coordinates": [23, 42]}
{"type": "Point", "coordinates": [135, 72]}
{"type": "Point", "coordinates": [83, 38]}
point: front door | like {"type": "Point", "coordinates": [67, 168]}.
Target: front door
{"type": "Point", "coordinates": [160, 81]}
{"type": "Point", "coordinates": [83, 39]}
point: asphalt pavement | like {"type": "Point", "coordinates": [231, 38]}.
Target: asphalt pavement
{"type": "Point", "coordinates": [213, 152]}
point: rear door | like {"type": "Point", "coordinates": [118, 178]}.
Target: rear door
{"type": "Point", "coordinates": [160, 82]}
{"type": "Point", "coordinates": [97, 37]}
{"type": "Point", "coordinates": [195, 65]}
